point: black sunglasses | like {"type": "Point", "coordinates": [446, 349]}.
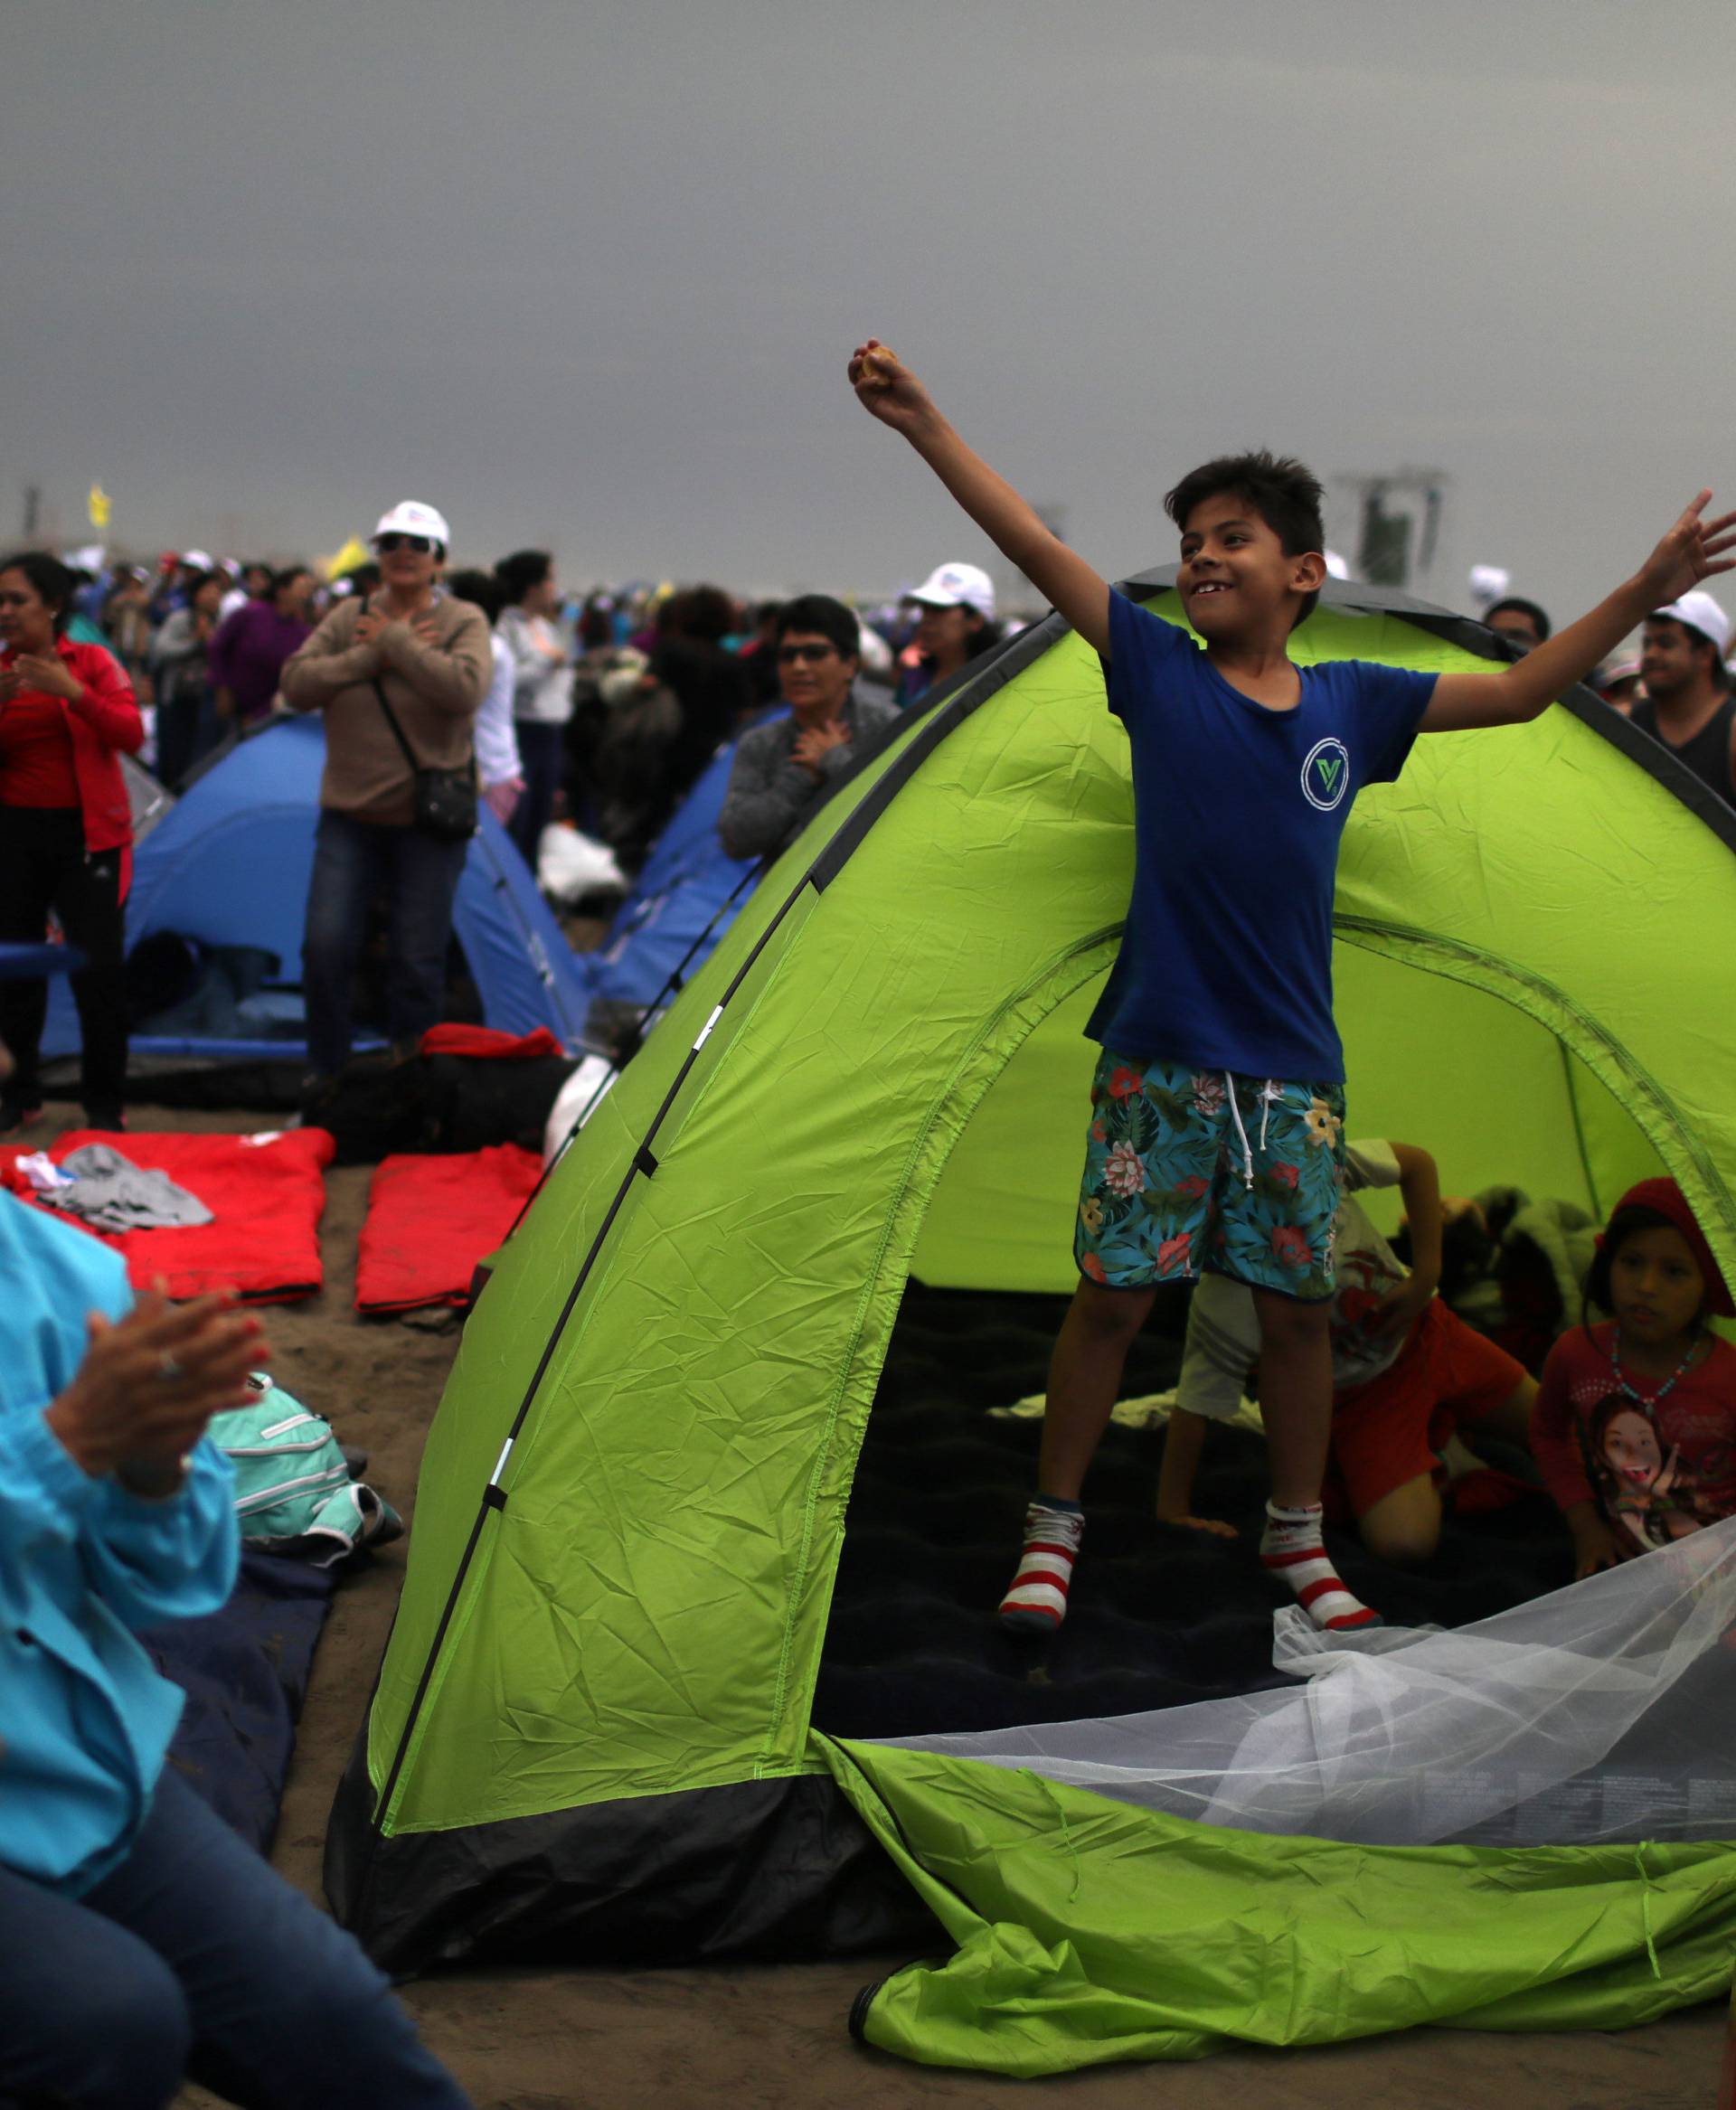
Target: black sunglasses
{"type": "Point", "coordinates": [804, 654]}
{"type": "Point", "coordinates": [386, 544]}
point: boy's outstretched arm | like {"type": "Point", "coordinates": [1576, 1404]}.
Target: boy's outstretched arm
{"type": "Point", "coordinates": [889, 390]}
{"type": "Point", "coordinates": [1692, 551]}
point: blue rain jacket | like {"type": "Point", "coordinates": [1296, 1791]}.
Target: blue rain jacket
{"type": "Point", "coordinates": [84, 1716]}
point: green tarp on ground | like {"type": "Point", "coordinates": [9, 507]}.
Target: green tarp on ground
{"type": "Point", "coordinates": [1089, 1932]}
{"type": "Point", "coordinates": [634, 1495]}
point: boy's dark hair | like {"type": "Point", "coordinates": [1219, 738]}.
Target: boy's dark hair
{"type": "Point", "coordinates": [477, 588]}
{"type": "Point", "coordinates": [1286, 495]}
{"type": "Point", "coordinates": [277, 581]}
{"type": "Point", "coordinates": [53, 583]}
{"type": "Point", "coordinates": [1622, 1225]}
{"type": "Point", "coordinates": [1514, 604]}
{"type": "Point", "coordinates": [519, 573]}
{"type": "Point", "coordinates": [819, 616]}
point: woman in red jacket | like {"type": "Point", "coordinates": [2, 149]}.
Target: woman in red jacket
{"type": "Point", "coordinates": [67, 712]}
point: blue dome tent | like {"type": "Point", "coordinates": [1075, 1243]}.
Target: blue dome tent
{"type": "Point", "coordinates": [227, 866]}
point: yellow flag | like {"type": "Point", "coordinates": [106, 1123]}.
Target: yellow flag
{"type": "Point", "coordinates": [100, 504]}
{"type": "Point", "coordinates": [350, 557]}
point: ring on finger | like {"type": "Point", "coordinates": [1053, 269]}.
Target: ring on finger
{"type": "Point", "coordinates": [169, 1369]}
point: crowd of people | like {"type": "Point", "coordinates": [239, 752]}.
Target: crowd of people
{"type": "Point", "coordinates": [601, 709]}
{"type": "Point", "coordinates": [604, 710]}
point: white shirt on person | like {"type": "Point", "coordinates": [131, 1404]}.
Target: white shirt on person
{"type": "Point", "coordinates": [496, 742]}
{"type": "Point", "coordinates": [542, 694]}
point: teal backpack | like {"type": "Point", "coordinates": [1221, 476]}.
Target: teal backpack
{"type": "Point", "coordinates": [295, 1489]}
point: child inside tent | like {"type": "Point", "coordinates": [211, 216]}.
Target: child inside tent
{"type": "Point", "coordinates": [1407, 1371]}
{"type": "Point", "coordinates": [1634, 1426]}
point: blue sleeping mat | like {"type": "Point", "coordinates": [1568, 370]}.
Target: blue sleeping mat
{"type": "Point", "coordinates": [244, 1671]}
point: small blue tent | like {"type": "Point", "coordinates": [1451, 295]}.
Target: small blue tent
{"type": "Point", "coordinates": [229, 866]}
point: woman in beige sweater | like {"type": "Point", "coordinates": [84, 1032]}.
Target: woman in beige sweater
{"type": "Point", "coordinates": [431, 655]}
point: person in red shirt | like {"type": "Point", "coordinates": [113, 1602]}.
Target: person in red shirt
{"type": "Point", "coordinates": [1635, 1425]}
{"type": "Point", "coordinates": [66, 713]}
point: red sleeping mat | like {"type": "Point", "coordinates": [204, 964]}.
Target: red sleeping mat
{"type": "Point", "coordinates": [431, 1219]}
{"type": "Point", "coordinates": [266, 1193]}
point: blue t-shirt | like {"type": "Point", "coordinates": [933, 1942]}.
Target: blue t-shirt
{"type": "Point", "coordinates": [1226, 962]}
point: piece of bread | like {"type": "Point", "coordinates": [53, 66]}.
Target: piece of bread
{"type": "Point", "coordinates": [878, 364]}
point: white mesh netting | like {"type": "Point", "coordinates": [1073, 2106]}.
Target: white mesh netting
{"type": "Point", "coordinates": [1605, 1712]}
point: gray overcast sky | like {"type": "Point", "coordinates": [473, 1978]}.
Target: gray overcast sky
{"type": "Point", "coordinates": [587, 274]}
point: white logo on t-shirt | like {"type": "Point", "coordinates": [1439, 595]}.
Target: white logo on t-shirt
{"type": "Point", "coordinates": [1325, 775]}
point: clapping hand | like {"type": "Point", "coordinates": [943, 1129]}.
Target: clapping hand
{"type": "Point", "coordinates": [150, 1381]}
{"type": "Point", "coordinates": [1693, 549]}
{"type": "Point", "coordinates": [51, 676]}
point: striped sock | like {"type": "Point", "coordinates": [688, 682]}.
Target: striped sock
{"type": "Point", "coordinates": [1292, 1548]}
{"type": "Point", "coordinates": [1036, 1603]}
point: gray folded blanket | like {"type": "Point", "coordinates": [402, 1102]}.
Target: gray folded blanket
{"type": "Point", "coordinates": [110, 1193]}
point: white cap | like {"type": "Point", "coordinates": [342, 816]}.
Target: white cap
{"type": "Point", "coordinates": [956, 586]}
{"type": "Point", "coordinates": [1696, 610]}
{"type": "Point", "coordinates": [195, 559]}
{"type": "Point", "coordinates": [407, 517]}
{"type": "Point", "coordinates": [1336, 567]}
{"type": "Point", "coordinates": [1489, 584]}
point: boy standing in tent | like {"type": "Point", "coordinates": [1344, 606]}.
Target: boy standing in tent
{"type": "Point", "coordinates": [1216, 1138]}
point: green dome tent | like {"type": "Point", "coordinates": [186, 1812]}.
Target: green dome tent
{"type": "Point", "coordinates": [590, 1737]}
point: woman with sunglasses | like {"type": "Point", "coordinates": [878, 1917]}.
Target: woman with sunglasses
{"type": "Point", "coordinates": [427, 654]}
{"type": "Point", "coordinates": [783, 769]}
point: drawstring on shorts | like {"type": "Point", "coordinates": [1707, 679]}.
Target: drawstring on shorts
{"type": "Point", "coordinates": [1271, 1094]}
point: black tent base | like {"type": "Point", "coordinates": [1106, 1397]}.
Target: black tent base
{"type": "Point", "coordinates": [762, 1870]}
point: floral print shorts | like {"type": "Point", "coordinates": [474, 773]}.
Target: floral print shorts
{"type": "Point", "coordinates": [1192, 1168]}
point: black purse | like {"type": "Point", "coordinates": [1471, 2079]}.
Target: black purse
{"type": "Point", "coordinates": [443, 801]}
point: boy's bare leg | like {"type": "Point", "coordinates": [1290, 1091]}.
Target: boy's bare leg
{"type": "Point", "coordinates": [1295, 1395]}
{"type": "Point", "coordinates": [1295, 1405]}
{"type": "Point", "coordinates": [1085, 1369]}
{"type": "Point", "coordinates": [1084, 1377]}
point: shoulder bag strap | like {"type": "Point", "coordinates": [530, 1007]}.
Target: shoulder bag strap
{"type": "Point", "coordinates": [397, 730]}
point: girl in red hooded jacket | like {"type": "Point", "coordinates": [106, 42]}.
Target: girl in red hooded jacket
{"type": "Point", "coordinates": [66, 713]}
{"type": "Point", "coordinates": [1635, 1425]}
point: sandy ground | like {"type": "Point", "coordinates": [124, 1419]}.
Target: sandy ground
{"type": "Point", "coordinates": [768, 2039]}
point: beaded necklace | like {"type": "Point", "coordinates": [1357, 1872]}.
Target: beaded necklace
{"type": "Point", "coordinates": [1648, 1408]}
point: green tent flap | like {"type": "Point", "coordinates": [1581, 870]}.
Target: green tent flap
{"type": "Point", "coordinates": [1089, 1932]}
{"type": "Point", "coordinates": [634, 1495]}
